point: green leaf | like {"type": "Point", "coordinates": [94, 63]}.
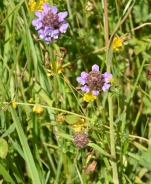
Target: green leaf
{"type": "Point", "coordinates": [146, 159]}
{"type": "Point", "coordinates": [120, 118]}
{"type": "Point", "coordinates": [3, 148]}
{"type": "Point", "coordinates": [28, 156]}
{"type": "Point", "coordinates": [6, 175]}
{"type": "Point", "coordinates": [65, 136]}
{"type": "Point", "coordinates": [9, 130]}
{"type": "Point", "coordinates": [98, 148]}
{"type": "Point", "coordinates": [71, 119]}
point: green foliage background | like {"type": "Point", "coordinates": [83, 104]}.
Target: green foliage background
{"type": "Point", "coordinates": [39, 148]}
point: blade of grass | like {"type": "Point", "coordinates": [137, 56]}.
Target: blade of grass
{"type": "Point", "coordinates": [28, 156]}
{"type": "Point", "coordinates": [6, 175]}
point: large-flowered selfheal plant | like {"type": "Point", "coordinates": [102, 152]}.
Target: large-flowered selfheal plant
{"type": "Point", "coordinates": [94, 81]}
{"type": "Point", "coordinates": [50, 24]}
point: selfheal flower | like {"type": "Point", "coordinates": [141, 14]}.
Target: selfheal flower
{"type": "Point", "coordinates": [50, 24]}
{"type": "Point", "coordinates": [94, 81]}
{"type": "Point", "coordinates": [80, 139]}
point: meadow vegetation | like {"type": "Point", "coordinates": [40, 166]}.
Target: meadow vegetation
{"type": "Point", "coordinates": [75, 92]}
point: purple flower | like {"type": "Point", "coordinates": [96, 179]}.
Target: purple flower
{"type": "Point", "coordinates": [49, 24]}
{"type": "Point", "coordinates": [80, 139]}
{"type": "Point", "coordinates": [94, 81]}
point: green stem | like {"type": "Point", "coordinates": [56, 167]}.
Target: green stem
{"type": "Point", "coordinates": [59, 168]}
{"type": "Point", "coordinates": [108, 63]}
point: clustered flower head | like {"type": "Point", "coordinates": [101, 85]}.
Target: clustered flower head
{"type": "Point", "coordinates": [32, 5]}
{"type": "Point", "coordinates": [80, 139]}
{"type": "Point", "coordinates": [14, 104]}
{"type": "Point", "coordinates": [79, 125]}
{"type": "Point", "coordinates": [93, 82]}
{"type": "Point", "coordinates": [117, 43]}
{"type": "Point", "coordinates": [50, 24]}
{"type": "Point", "coordinates": [37, 109]}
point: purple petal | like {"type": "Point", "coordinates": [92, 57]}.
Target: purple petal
{"type": "Point", "coordinates": [106, 87]}
{"type": "Point", "coordinates": [55, 34]}
{"type": "Point", "coordinates": [63, 27]}
{"type": "Point", "coordinates": [84, 74]}
{"type": "Point", "coordinates": [48, 40]}
{"type": "Point", "coordinates": [95, 67]}
{"type": "Point", "coordinates": [95, 92]}
{"type": "Point", "coordinates": [38, 14]}
{"type": "Point", "coordinates": [46, 8]}
{"type": "Point", "coordinates": [82, 79]}
{"type": "Point", "coordinates": [37, 23]}
{"type": "Point", "coordinates": [85, 89]}
{"type": "Point", "coordinates": [41, 33]}
{"type": "Point", "coordinates": [62, 15]}
{"type": "Point", "coordinates": [107, 77]}
{"type": "Point", "coordinates": [54, 9]}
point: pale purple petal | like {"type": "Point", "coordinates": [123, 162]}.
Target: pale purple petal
{"type": "Point", "coordinates": [95, 67]}
{"type": "Point", "coordinates": [107, 77]}
{"type": "Point", "coordinates": [95, 92]}
{"type": "Point", "coordinates": [82, 79]}
{"type": "Point", "coordinates": [37, 23]}
{"type": "Point", "coordinates": [63, 27]}
{"type": "Point", "coordinates": [106, 87]}
{"type": "Point", "coordinates": [85, 88]}
{"type": "Point", "coordinates": [62, 16]}
{"type": "Point", "coordinates": [38, 14]}
{"type": "Point", "coordinates": [55, 34]}
{"type": "Point", "coordinates": [41, 33]}
{"type": "Point", "coordinates": [54, 9]}
{"type": "Point", "coordinates": [46, 8]}
{"type": "Point", "coordinates": [48, 40]}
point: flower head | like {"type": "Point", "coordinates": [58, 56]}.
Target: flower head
{"type": "Point", "coordinates": [117, 43]}
{"type": "Point", "coordinates": [79, 125]}
{"type": "Point", "coordinates": [37, 109]}
{"type": "Point", "coordinates": [94, 81]}
{"type": "Point", "coordinates": [80, 139]}
{"type": "Point", "coordinates": [14, 104]}
{"type": "Point", "coordinates": [89, 97]}
{"type": "Point", "coordinates": [59, 69]}
{"type": "Point", "coordinates": [50, 24]}
{"type": "Point", "coordinates": [32, 5]}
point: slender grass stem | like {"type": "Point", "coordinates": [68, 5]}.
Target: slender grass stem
{"type": "Point", "coordinates": [110, 103]}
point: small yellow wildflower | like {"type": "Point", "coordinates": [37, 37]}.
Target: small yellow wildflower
{"type": "Point", "coordinates": [79, 125]}
{"type": "Point", "coordinates": [89, 97]}
{"type": "Point", "coordinates": [14, 104]}
{"type": "Point", "coordinates": [117, 43]}
{"type": "Point", "coordinates": [32, 5]}
{"type": "Point", "coordinates": [111, 80]}
{"type": "Point", "coordinates": [51, 72]}
{"type": "Point", "coordinates": [31, 100]}
{"type": "Point", "coordinates": [37, 109]}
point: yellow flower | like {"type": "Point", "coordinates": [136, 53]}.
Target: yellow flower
{"type": "Point", "coordinates": [117, 43]}
{"type": "Point", "coordinates": [89, 97]}
{"type": "Point", "coordinates": [79, 125]}
{"type": "Point", "coordinates": [14, 104]}
{"type": "Point", "coordinates": [37, 109]}
{"type": "Point", "coordinates": [111, 80]}
{"type": "Point", "coordinates": [31, 100]}
{"type": "Point", "coordinates": [51, 72]}
{"type": "Point", "coordinates": [32, 5]}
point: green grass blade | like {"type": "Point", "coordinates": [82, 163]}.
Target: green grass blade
{"type": "Point", "coordinates": [28, 156]}
{"type": "Point", "coordinates": [6, 175]}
